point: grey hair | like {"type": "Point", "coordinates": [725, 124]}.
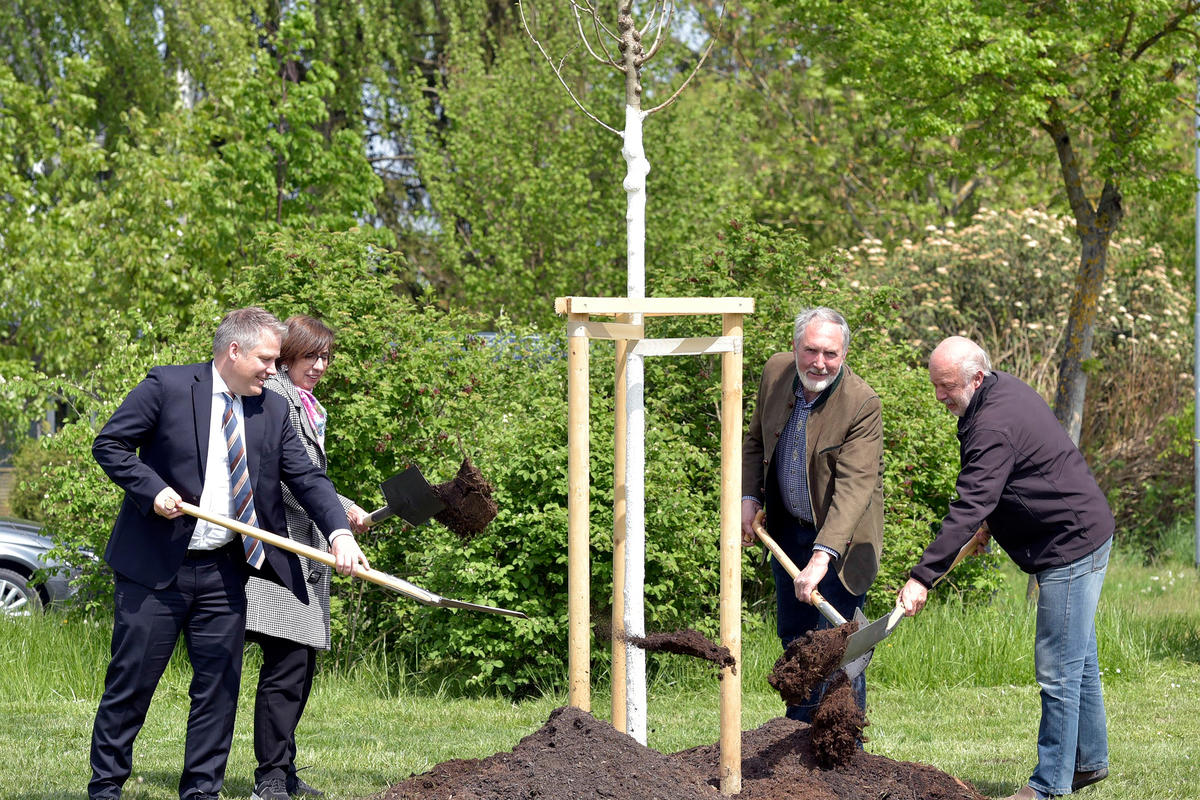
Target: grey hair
{"type": "Point", "coordinates": [826, 314]}
{"type": "Point", "coordinates": [245, 326]}
{"type": "Point", "coordinates": [975, 359]}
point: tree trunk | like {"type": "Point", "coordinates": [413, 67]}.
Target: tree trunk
{"type": "Point", "coordinates": [1081, 323]}
{"type": "Point", "coordinates": [1095, 228]}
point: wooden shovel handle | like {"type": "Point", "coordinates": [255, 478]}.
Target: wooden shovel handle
{"type": "Point", "coordinates": [968, 549]}
{"type": "Point", "coordinates": [829, 612]}
{"type": "Point", "coordinates": [284, 543]}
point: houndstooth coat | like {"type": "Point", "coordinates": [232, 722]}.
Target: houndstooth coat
{"type": "Point", "coordinates": [271, 608]}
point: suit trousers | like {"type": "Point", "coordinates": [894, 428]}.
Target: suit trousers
{"type": "Point", "coordinates": [795, 619]}
{"type": "Point", "coordinates": [284, 684]}
{"type": "Point", "coordinates": [206, 602]}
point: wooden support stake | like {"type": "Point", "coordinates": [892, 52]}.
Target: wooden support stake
{"type": "Point", "coordinates": [731, 558]}
{"type": "Point", "coordinates": [619, 717]}
{"type": "Point", "coordinates": [578, 557]}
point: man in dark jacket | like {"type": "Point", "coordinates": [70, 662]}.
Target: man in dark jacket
{"type": "Point", "coordinates": [1023, 476]}
{"type": "Point", "coordinates": [208, 434]}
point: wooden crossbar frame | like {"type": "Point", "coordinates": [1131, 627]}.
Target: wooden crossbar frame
{"type": "Point", "coordinates": [630, 338]}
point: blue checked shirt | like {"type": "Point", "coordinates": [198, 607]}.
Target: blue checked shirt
{"type": "Point", "coordinates": [791, 466]}
{"type": "Point", "coordinates": [791, 469]}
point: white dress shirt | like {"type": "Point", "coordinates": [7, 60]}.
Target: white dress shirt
{"type": "Point", "coordinates": [217, 495]}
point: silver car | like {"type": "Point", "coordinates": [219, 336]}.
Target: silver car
{"type": "Point", "coordinates": [22, 551]}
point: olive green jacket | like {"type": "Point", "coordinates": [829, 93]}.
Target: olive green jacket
{"type": "Point", "coordinates": [844, 457]}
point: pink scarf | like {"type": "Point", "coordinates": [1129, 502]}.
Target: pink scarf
{"type": "Point", "coordinates": [316, 413]}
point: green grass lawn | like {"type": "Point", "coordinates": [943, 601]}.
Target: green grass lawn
{"type": "Point", "coordinates": [952, 687]}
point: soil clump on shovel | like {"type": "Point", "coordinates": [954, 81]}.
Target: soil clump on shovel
{"type": "Point", "coordinates": [686, 642]}
{"type": "Point", "coordinates": [808, 661]}
{"type": "Point", "coordinates": [574, 756]}
{"type": "Point", "coordinates": [468, 500]}
{"type": "Point", "coordinates": [838, 723]}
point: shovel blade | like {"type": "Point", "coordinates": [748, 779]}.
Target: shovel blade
{"type": "Point", "coordinates": [864, 639]}
{"type": "Point", "coordinates": [446, 602]}
{"type": "Point", "coordinates": [409, 496]}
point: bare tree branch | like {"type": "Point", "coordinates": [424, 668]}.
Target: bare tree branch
{"type": "Point", "coordinates": [592, 12]}
{"type": "Point", "coordinates": [711, 41]}
{"type": "Point", "coordinates": [607, 57]}
{"type": "Point", "coordinates": [663, 25]}
{"type": "Point", "coordinates": [558, 73]}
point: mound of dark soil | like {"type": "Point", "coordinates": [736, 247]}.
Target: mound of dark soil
{"type": "Point", "coordinates": [468, 500]}
{"type": "Point", "coordinates": [574, 756]}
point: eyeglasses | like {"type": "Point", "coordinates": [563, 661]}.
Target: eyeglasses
{"type": "Point", "coordinates": [326, 356]}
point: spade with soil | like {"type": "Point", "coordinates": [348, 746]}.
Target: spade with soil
{"type": "Point", "coordinates": [409, 496]}
{"type": "Point", "coordinates": [861, 644]}
{"type": "Point", "coordinates": [464, 504]}
{"type": "Point", "coordinates": [852, 662]}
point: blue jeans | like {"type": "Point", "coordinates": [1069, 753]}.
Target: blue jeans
{"type": "Point", "coordinates": [793, 619]}
{"type": "Point", "coordinates": [1073, 734]}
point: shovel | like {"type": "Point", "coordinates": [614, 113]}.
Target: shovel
{"type": "Point", "coordinates": [409, 496]}
{"type": "Point", "coordinates": [864, 639]}
{"type": "Point", "coordinates": [860, 645]}
{"type": "Point", "coordinates": [374, 576]}
{"type": "Point", "coordinates": [853, 666]}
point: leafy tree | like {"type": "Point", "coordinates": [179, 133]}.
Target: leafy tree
{"type": "Point", "coordinates": [997, 280]}
{"type": "Point", "coordinates": [525, 191]}
{"type": "Point", "coordinates": [1095, 83]}
{"type": "Point", "coordinates": [98, 224]}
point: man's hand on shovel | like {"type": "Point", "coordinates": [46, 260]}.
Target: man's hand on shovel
{"type": "Point", "coordinates": [913, 595]}
{"type": "Point", "coordinates": [349, 558]}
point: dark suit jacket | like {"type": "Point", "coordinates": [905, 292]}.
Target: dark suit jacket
{"type": "Point", "coordinates": [158, 437]}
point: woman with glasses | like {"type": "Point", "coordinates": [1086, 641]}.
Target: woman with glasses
{"type": "Point", "coordinates": [291, 632]}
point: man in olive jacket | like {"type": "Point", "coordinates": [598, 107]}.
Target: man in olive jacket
{"type": "Point", "coordinates": [813, 458]}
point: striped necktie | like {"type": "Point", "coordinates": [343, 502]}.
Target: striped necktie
{"type": "Point", "coordinates": [239, 482]}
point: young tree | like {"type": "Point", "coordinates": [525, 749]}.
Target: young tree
{"type": "Point", "coordinates": [1090, 86]}
{"type": "Point", "coordinates": [620, 48]}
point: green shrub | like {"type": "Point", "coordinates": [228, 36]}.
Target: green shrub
{"type": "Point", "coordinates": [413, 384]}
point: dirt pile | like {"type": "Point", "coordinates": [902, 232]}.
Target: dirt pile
{"type": "Point", "coordinates": [468, 500]}
{"type": "Point", "coordinates": [574, 756]}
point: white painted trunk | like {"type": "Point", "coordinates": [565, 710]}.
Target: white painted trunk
{"type": "Point", "coordinates": [635, 432]}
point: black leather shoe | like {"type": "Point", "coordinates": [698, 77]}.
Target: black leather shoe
{"type": "Point", "coordinates": [1083, 779]}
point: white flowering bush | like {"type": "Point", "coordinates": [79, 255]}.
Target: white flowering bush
{"type": "Point", "coordinates": [1006, 281]}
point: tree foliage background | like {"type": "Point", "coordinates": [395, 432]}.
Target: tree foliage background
{"type": "Point", "coordinates": [414, 173]}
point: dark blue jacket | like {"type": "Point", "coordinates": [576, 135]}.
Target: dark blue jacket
{"type": "Point", "coordinates": [158, 437]}
{"type": "Point", "coordinates": [1022, 474]}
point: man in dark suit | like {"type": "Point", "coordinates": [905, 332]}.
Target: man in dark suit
{"type": "Point", "coordinates": [167, 442]}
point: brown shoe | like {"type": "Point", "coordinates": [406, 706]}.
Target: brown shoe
{"type": "Point", "coordinates": [1026, 792]}
{"type": "Point", "coordinates": [1088, 777]}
